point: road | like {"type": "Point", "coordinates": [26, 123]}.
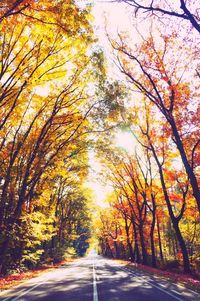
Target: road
{"type": "Point", "coordinates": [95, 278]}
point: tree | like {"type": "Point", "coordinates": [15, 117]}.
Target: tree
{"type": "Point", "coordinates": [44, 110]}
{"type": "Point", "coordinates": [182, 10]}
{"type": "Point", "coordinates": [12, 7]}
{"type": "Point", "coordinates": [149, 72]}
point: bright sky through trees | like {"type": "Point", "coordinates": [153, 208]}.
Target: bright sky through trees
{"type": "Point", "coordinates": [96, 180]}
{"type": "Point", "coordinates": [126, 141]}
{"type": "Point", "coordinates": [109, 16]}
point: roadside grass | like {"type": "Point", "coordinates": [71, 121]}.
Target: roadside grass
{"type": "Point", "coordinates": [9, 281]}
{"type": "Point", "coordinates": [188, 281]}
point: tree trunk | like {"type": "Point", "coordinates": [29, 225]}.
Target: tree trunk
{"type": "Point", "coordinates": [131, 253]}
{"type": "Point", "coordinates": [136, 248]}
{"type": "Point", "coordinates": [108, 251]}
{"type": "Point", "coordinates": [159, 242]}
{"type": "Point", "coordinates": [116, 250]}
{"type": "Point", "coordinates": [186, 262]}
{"type": "Point", "coordinates": [153, 255]}
{"type": "Point", "coordinates": [4, 249]}
{"type": "Point", "coordinates": [188, 168]}
{"type": "Point", "coordinates": [142, 243]}
{"type": "Point", "coordinates": [175, 222]}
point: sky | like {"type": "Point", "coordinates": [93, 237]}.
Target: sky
{"type": "Point", "coordinates": [96, 181]}
{"type": "Point", "coordinates": [110, 18]}
{"type": "Point", "coordinates": [113, 18]}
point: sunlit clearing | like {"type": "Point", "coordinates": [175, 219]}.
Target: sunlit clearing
{"type": "Point", "coordinates": [126, 141]}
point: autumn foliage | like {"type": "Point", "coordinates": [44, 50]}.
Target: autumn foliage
{"type": "Point", "coordinates": [154, 212]}
{"type": "Point", "coordinates": [43, 109]}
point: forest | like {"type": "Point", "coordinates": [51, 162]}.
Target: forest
{"type": "Point", "coordinates": [62, 98]}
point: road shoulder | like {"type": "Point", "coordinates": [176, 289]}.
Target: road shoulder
{"type": "Point", "coordinates": [186, 281]}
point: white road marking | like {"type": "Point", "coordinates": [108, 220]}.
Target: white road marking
{"type": "Point", "coordinates": [10, 290]}
{"type": "Point", "coordinates": [95, 293]}
{"type": "Point", "coordinates": [27, 281]}
{"type": "Point", "coordinates": [98, 278]}
{"type": "Point", "coordinates": [165, 291]}
{"type": "Point", "coordinates": [25, 292]}
{"type": "Point", "coordinates": [156, 286]}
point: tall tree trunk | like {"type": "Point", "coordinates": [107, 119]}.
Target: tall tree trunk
{"type": "Point", "coordinates": [136, 247]}
{"type": "Point", "coordinates": [142, 243]}
{"type": "Point", "coordinates": [109, 251]}
{"type": "Point", "coordinates": [186, 261]}
{"type": "Point", "coordinates": [160, 242]}
{"type": "Point", "coordinates": [116, 250]}
{"type": "Point", "coordinates": [153, 255]}
{"type": "Point", "coordinates": [4, 248]}
{"type": "Point", "coordinates": [131, 253]}
{"type": "Point", "coordinates": [174, 220]}
{"type": "Point", "coordinates": [188, 168]}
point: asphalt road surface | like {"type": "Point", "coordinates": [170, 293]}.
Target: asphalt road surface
{"type": "Point", "coordinates": [95, 278]}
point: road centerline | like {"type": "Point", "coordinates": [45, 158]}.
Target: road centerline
{"type": "Point", "coordinates": [95, 293]}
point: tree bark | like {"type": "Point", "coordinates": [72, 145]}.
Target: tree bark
{"type": "Point", "coordinates": [131, 253]}
{"type": "Point", "coordinates": [136, 248]}
{"type": "Point", "coordinates": [142, 243]}
{"type": "Point", "coordinates": [188, 168]}
{"type": "Point", "coordinates": [153, 255]}
{"type": "Point", "coordinates": [174, 220]}
{"type": "Point", "coordinates": [160, 242]}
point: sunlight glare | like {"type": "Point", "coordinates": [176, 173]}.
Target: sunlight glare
{"type": "Point", "coordinates": [42, 90]}
{"type": "Point", "coordinates": [126, 141]}
{"type": "Point", "coordinates": [100, 190]}
{"type": "Point", "coordinates": [100, 193]}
